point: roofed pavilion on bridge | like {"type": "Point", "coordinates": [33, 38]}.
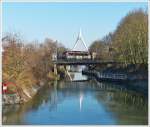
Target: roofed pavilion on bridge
{"type": "Point", "coordinates": [79, 50]}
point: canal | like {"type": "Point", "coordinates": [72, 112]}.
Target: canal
{"type": "Point", "coordinates": [88, 103]}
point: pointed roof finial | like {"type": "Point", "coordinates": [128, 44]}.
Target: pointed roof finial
{"type": "Point", "coordinates": [80, 34]}
{"type": "Point", "coordinates": [80, 38]}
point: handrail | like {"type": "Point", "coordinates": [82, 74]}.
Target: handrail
{"type": "Point", "coordinates": [108, 75]}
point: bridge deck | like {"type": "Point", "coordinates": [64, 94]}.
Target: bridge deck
{"type": "Point", "coordinates": [82, 62]}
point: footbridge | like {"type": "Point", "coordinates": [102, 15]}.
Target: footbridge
{"type": "Point", "coordinates": [77, 57]}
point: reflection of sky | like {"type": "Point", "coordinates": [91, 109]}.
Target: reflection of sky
{"type": "Point", "coordinates": [81, 103]}
{"type": "Point", "coordinates": [70, 112]}
{"type": "Point", "coordinates": [77, 107]}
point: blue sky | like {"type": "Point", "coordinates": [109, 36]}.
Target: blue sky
{"type": "Point", "coordinates": [62, 21]}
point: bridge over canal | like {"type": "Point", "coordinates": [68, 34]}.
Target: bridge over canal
{"type": "Point", "coordinates": [77, 57]}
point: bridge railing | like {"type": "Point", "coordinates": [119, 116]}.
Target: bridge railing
{"type": "Point", "coordinates": [86, 61]}
{"type": "Point", "coordinates": [108, 75]}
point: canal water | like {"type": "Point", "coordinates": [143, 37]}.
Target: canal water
{"type": "Point", "coordinates": [80, 103]}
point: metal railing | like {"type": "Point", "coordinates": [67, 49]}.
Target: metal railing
{"type": "Point", "coordinates": [101, 75]}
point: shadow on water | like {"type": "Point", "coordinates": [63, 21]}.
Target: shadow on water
{"type": "Point", "coordinates": [87, 102]}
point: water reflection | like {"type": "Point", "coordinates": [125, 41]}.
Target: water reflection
{"type": "Point", "coordinates": [78, 76]}
{"type": "Point", "coordinates": [80, 103]}
{"type": "Point", "coordinates": [81, 99]}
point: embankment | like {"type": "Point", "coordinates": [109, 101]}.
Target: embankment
{"type": "Point", "coordinates": [130, 82]}
{"type": "Point", "coordinates": [21, 96]}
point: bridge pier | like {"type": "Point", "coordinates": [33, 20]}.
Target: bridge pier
{"type": "Point", "coordinates": [67, 72]}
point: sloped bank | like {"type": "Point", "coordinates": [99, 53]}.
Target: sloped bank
{"type": "Point", "coordinates": [21, 96]}
{"type": "Point", "coordinates": [25, 94]}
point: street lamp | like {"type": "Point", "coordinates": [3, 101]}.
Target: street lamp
{"type": "Point", "coordinates": [56, 49]}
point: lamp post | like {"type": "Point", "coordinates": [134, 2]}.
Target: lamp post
{"type": "Point", "coordinates": [56, 49]}
{"type": "Point", "coordinates": [4, 86]}
{"type": "Point", "coordinates": [55, 59]}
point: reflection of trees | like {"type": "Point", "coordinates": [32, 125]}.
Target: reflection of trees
{"type": "Point", "coordinates": [67, 90]}
{"type": "Point", "coordinates": [121, 95]}
{"type": "Point", "coordinates": [51, 95]}
{"type": "Point", "coordinates": [128, 106]}
{"type": "Point", "coordinates": [115, 98]}
{"type": "Point", "coordinates": [13, 113]}
{"type": "Point", "coordinates": [9, 111]}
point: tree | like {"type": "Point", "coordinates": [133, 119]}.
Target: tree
{"type": "Point", "coordinates": [131, 38]}
{"type": "Point", "coordinates": [14, 67]}
{"type": "Point", "coordinates": [28, 64]}
{"type": "Point", "coordinates": [97, 47]}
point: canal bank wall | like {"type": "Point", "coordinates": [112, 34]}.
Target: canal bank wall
{"type": "Point", "coordinates": [129, 82]}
